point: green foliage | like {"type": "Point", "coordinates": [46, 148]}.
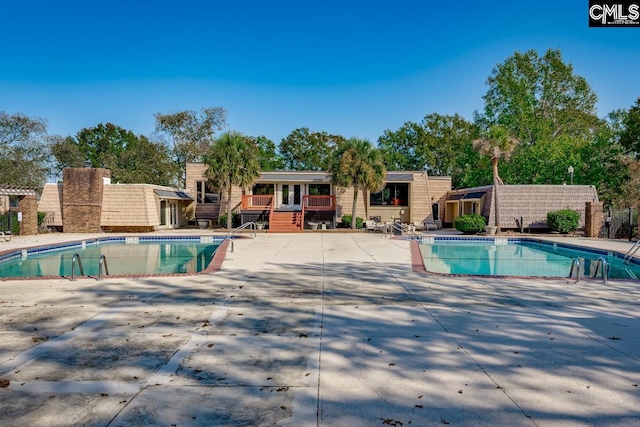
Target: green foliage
{"type": "Point", "coordinates": [347, 221]}
{"type": "Point", "coordinates": [25, 152]}
{"type": "Point", "coordinates": [131, 158]}
{"type": "Point", "coordinates": [268, 156]}
{"type": "Point", "coordinates": [303, 149]}
{"type": "Point", "coordinates": [470, 224]}
{"type": "Point", "coordinates": [563, 221]}
{"type": "Point", "coordinates": [41, 217]}
{"type": "Point", "coordinates": [232, 160]}
{"type": "Point", "coordinates": [15, 225]}
{"type": "Point", "coordinates": [539, 98]}
{"type": "Point", "coordinates": [441, 144]}
{"type": "Point", "coordinates": [190, 133]}
{"type": "Point", "coordinates": [630, 134]}
{"type": "Point", "coordinates": [235, 220]}
{"type": "Point", "coordinates": [358, 164]}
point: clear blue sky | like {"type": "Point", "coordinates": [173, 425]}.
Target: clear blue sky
{"type": "Point", "coordinates": [353, 68]}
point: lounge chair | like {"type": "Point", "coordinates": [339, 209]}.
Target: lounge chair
{"type": "Point", "coordinates": [6, 235]}
{"type": "Point", "coordinates": [428, 225]}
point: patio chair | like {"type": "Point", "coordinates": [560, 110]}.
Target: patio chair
{"type": "Point", "coordinates": [6, 235]}
{"type": "Point", "coordinates": [429, 225]}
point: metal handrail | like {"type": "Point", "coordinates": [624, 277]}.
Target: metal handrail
{"type": "Point", "coordinates": [102, 262]}
{"type": "Point", "coordinates": [605, 269]}
{"type": "Point", "coordinates": [74, 260]}
{"type": "Point", "coordinates": [235, 230]}
{"type": "Point", "coordinates": [574, 263]}
{"type": "Point", "coordinates": [242, 227]}
{"type": "Point", "coordinates": [395, 225]}
{"type": "Point", "coordinates": [631, 252]}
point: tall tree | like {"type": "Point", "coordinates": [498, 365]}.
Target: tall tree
{"type": "Point", "coordinates": [268, 156]}
{"type": "Point", "coordinates": [359, 165]}
{"type": "Point", "coordinates": [189, 134]}
{"type": "Point", "coordinates": [539, 98]}
{"type": "Point", "coordinates": [545, 105]}
{"type": "Point", "coordinates": [25, 150]}
{"type": "Point", "coordinates": [131, 158]}
{"type": "Point", "coordinates": [630, 133]}
{"type": "Point", "coordinates": [495, 145]}
{"type": "Point", "coordinates": [303, 149]}
{"type": "Point", "coordinates": [440, 144]}
{"type": "Point", "coordinates": [232, 160]}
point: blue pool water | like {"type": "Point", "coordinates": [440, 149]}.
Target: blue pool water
{"type": "Point", "coordinates": [517, 258]}
{"type": "Point", "coordinates": [125, 256]}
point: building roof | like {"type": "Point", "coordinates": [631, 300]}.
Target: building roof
{"type": "Point", "coordinates": [399, 177]}
{"type": "Point", "coordinates": [173, 194]}
{"type": "Point", "coordinates": [295, 176]}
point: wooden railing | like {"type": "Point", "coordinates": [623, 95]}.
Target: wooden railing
{"type": "Point", "coordinates": [319, 203]}
{"type": "Point", "coordinates": [257, 203]}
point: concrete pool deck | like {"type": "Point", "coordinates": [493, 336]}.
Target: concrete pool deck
{"type": "Point", "coordinates": [328, 329]}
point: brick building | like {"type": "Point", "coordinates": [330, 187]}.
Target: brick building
{"type": "Point", "coordinates": [87, 202]}
{"type": "Point", "coordinates": [290, 200]}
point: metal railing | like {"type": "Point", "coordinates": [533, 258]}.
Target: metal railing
{"type": "Point", "coordinates": [229, 235]}
{"type": "Point", "coordinates": [102, 263]}
{"type": "Point", "coordinates": [631, 252]}
{"type": "Point", "coordinates": [392, 226]}
{"type": "Point", "coordinates": [575, 264]}
{"type": "Point", "coordinates": [602, 265]}
{"type": "Point", "coordinates": [74, 260]}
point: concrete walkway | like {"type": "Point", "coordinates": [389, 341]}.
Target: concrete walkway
{"type": "Point", "coordinates": [319, 329]}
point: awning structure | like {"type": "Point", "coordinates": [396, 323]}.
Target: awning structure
{"type": "Point", "coordinates": [173, 194]}
{"type": "Point", "coordinates": [16, 190]}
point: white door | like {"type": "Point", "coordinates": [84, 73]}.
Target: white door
{"type": "Point", "coordinates": [173, 207]}
{"type": "Point", "coordinates": [290, 197]}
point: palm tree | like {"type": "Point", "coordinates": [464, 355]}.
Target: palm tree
{"type": "Point", "coordinates": [497, 143]}
{"type": "Point", "coordinates": [358, 164]}
{"type": "Point", "coordinates": [232, 160]}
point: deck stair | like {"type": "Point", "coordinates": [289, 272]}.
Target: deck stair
{"type": "Point", "coordinates": [285, 222]}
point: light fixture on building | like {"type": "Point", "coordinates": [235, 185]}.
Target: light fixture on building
{"type": "Point", "coordinates": [570, 170]}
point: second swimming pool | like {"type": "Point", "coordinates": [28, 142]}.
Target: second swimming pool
{"type": "Point", "coordinates": [124, 255]}
{"type": "Point", "coordinates": [516, 257]}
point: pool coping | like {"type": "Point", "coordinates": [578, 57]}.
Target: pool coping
{"type": "Point", "coordinates": [418, 266]}
{"type": "Point", "coordinates": [214, 265]}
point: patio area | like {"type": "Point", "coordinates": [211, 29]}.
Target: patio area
{"type": "Point", "coordinates": [318, 329]}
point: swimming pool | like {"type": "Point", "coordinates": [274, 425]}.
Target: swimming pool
{"type": "Point", "coordinates": [517, 257]}
{"type": "Point", "coordinates": [126, 256]}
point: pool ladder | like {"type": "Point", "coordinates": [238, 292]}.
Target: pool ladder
{"type": "Point", "coordinates": [631, 252]}
{"type": "Point", "coordinates": [102, 263]}
{"type": "Point", "coordinates": [77, 260]}
{"type": "Point", "coordinates": [601, 267]}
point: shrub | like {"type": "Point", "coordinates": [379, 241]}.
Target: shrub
{"type": "Point", "coordinates": [4, 223]}
{"type": "Point", "coordinates": [563, 221]}
{"type": "Point", "coordinates": [41, 218]}
{"type": "Point", "coordinates": [346, 220]}
{"type": "Point", "coordinates": [470, 224]}
{"type": "Point", "coordinates": [235, 220]}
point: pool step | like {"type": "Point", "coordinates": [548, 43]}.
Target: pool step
{"type": "Point", "coordinates": [285, 222]}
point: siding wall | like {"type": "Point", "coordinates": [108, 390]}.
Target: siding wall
{"type": "Point", "coordinates": [51, 201]}
{"type": "Point", "coordinates": [533, 202]}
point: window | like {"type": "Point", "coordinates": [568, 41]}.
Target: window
{"type": "Point", "coordinates": [207, 193]}
{"type": "Point", "coordinates": [163, 212]}
{"type": "Point", "coordinates": [319, 189]}
{"type": "Point", "coordinates": [393, 194]}
{"type": "Point", "coordinates": [262, 189]}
